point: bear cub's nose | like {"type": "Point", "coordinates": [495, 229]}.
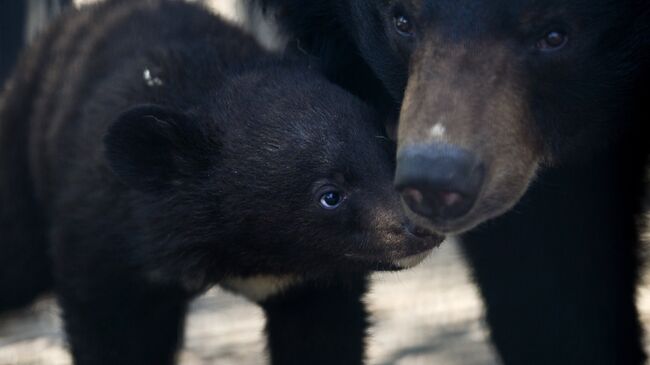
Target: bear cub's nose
{"type": "Point", "coordinates": [439, 182]}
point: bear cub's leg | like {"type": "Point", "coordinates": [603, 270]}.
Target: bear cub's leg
{"type": "Point", "coordinates": [318, 322]}
{"type": "Point", "coordinates": [123, 323]}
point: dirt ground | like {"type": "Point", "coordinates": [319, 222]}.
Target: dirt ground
{"type": "Point", "coordinates": [428, 315]}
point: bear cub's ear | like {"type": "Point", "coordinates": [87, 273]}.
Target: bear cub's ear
{"type": "Point", "coordinates": [153, 148]}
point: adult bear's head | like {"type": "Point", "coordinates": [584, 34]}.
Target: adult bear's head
{"type": "Point", "coordinates": [491, 90]}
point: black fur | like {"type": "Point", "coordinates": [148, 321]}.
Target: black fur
{"type": "Point", "coordinates": [557, 272]}
{"type": "Point", "coordinates": [12, 33]}
{"type": "Point", "coordinates": [335, 329]}
{"type": "Point", "coordinates": [150, 150]}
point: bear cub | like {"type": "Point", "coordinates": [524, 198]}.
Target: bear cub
{"type": "Point", "coordinates": [150, 150]}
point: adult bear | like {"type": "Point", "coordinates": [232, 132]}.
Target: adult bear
{"type": "Point", "coordinates": [525, 104]}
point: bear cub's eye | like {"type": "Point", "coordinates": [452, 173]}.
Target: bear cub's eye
{"type": "Point", "coordinates": [403, 25]}
{"type": "Point", "coordinates": [552, 41]}
{"type": "Point", "coordinates": [331, 199]}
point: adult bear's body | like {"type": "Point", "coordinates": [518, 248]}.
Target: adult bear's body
{"type": "Point", "coordinates": [558, 271]}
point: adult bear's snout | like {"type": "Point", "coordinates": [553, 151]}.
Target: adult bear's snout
{"type": "Point", "coordinates": [439, 182]}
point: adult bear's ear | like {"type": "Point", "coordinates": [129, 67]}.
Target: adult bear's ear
{"type": "Point", "coordinates": [152, 148]}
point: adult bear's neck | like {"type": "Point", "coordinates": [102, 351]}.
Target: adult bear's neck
{"type": "Point", "coordinates": [570, 248]}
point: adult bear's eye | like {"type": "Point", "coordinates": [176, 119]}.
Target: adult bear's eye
{"type": "Point", "coordinates": [552, 41]}
{"type": "Point", "coordinates": [403, 25]}
{"type": "Point", "coordinates": [331, 199]}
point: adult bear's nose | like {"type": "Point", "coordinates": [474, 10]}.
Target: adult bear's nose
{"type": "Point", "coordinates": [439, 182]}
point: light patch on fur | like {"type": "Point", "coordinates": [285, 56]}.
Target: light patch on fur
{"type": "Point", "coordinates": [79, 3]}
{"type": "Point", "coordinates": [411, 261]}
{"type": "Point", "coordinates": [438, 131]}
{"type": "Point", "coordinates": [261, 287]}
{"type": "Point", "coordinates": [226, 8]}
{"type": "Point", "coordinates": [150, 79]}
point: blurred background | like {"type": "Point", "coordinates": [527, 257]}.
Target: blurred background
{"type": "Point", "coordinates": [429, 315]}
